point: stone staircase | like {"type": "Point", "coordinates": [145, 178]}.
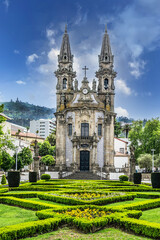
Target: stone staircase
{"type": "Point", "coordinates": [84, 176]}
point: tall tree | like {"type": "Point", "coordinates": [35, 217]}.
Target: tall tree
{"type": "Point", "coordinates": [117, 128]}
{"type": "Point", "coordinates": [52, 138]}
{"type": "Point", "coordinates": [24, 158]}
{"type": "Point", "coordinates": [126, 129]}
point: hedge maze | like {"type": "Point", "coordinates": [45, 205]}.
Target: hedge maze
{"type": "Point", "coordinates": [87, 205]}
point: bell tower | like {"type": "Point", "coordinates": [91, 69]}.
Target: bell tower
{"type": "Point", "coordinates": [106, 74]}
{"type": "Point", "coordinates": [64, 73]}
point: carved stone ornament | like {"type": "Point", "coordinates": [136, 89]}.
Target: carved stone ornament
{"type": "Point", "coordinates": [108, 119]}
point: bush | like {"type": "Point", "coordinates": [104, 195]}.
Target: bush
{"type": "Point", "coordinates": [45, 176]}
{"type": "Point", "coordinates": [137, 178]}
{"type": "Point", "coordinates": [3, 180]}
{"type": "Point", "coordinates": [123, 178]}
{"type": "Point", "coordinates": [14, 179]}
{"type": "Point", "coordinates": [32, 176]}
{"type": "Point", "coordinates": [155, 179]}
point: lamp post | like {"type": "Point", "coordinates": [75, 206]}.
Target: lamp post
{"type": "Point", "coordinates": [152, 150]}
{"type": "Point", "coordinates": [16, 157]}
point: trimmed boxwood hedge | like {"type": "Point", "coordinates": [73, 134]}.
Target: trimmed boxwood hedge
{"type": "Point", "coordinates": [26, 203]}
{"type": "Point", "coordinates": [13, 178]}
{"type": "Point", "coordinates": [29, 229]}
{"type": "Point", "coordinates": [32, 176]}
{"type": "Point", "coordinates": [137, 177]}
{"type": "Point", "coordinates": [155, 179]}
{"type": "Point", "coordinates": [73, 201]}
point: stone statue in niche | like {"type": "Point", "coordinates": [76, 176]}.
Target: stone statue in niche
{"type": "Point", "coordinates": [94, 85]}
{"type": "Point", "coordinates": [76, 85]}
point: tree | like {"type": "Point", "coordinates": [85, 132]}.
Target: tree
{"type": "Point", "coordinates": [24, 158]}
{"type": "Point", "coordinates": [44, 149]}
{"type": "Point", "coordinates": [145, 161]}
{"type": "Point", "coordinates": [117, 128]}
{"type": "Point", "coordinates": [52, 138]}
{"type": "Point", "coordinates": [2, 119]}
{"type": "Point", "coordinates": [135, 136]}
{"type": "Point", "coordinates": [126, 129]}
{"type": "Point", "coordinates": [7, 161]}
{"type": "Point", "coordinates": [48, 160]}
{"type": "Point", "coordinates": [52, 151]}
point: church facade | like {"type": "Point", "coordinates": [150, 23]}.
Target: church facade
{"type": "Point", "coordinates": [85, 116]}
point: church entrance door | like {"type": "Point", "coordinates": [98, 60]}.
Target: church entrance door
{"type": "Point", "coordinates": [84, 161]}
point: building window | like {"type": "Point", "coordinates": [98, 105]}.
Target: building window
{"type": "Point", "coordinates": [99, 129]}
{"type": "Point", "coordinates": [64, 83]}
{"type": "Point", "coordinates": [70, 129]}
{"type": "Point", "coordinates": [105, 83]}
{"type": "Point", "coordinates": [84, 129]}
{"type": "Point", "coordinates": [121, 150]}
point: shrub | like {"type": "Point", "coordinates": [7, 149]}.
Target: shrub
{"type": "Point", "coordinates": [14, 179]}
{"type": "Point", "coordinates": [3, 180]}
{"type": "Point", "coordinates": [45, 177]}
{"type": "Point", "coordinates": [32, 176]}
{"type": "Point", "coordinates": [123, 178]}
{"type": "Point", "coordinates": [137, 178]}
{"type": "Point", "coordinates": [155, 179]}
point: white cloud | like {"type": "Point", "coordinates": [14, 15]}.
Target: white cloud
{"type": "Point", "coordinates": [121, 87]}
{"type": "Point", "coordinates": [32, 58]}
{"type": "Point", "coordinates": [137, 68]}
{"type": "Point", "coordinates": [20, 82]}
{"type": "Point", "coordinates": [81, 16]}
{"type": "Point", "coordinates": [51, 65]}
{"type": "Point", "coordinates": [6, 3]}
{"type": "Point", "coordinates": [50, 33]}
{"type": "Point", "coordinates": [121, 112]}
{"type": "Point", "coordinates": [16, 51]}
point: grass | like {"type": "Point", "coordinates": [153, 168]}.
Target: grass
{"type": "Point", "coordinates": [152, 215]}
{"type": "Point", "coordinates": [13, 215]}
{"type": "Point", "coordinates": [50, 202]}
{"type": "Point", "coordinates": [70, 234]}
{"type": "Point", "coordinates": [127, 202]}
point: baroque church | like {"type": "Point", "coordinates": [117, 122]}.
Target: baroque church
{"type": "Point", "coordinates": [85, 116]}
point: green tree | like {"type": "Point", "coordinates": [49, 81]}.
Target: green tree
{"type": "Point", "coordinates": [117, 128]}
{"type": "Point", "coordinates": [126, 129]}
{"type": "Point", "coordinates": [151, 136]}
{"type": "Point", "coordinates": [48, 160]}
{"type": "Point", "coordinates": [135, 136]}
{"type": "Point", "coordinates": [52, 151]}
{"type": "Point", "coordinates": [2, 119]}
{"type": "Point", "coordinates": [145, 161]}
{"type": "Point", "coordinates": [44, 149]}
{"type": "Point", "coordinates": [24, 158]}
{"type": "Point", "coordinates": [52, 138]}
{"type": "Point", "coordinates": [7, 161]}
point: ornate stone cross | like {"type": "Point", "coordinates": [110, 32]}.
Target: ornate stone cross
{"type": "Point", "coordinates": [85, 69]}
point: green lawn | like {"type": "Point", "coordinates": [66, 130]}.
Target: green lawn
{"type": "Point", "coordinates": [43, 201]}
{"type": "Point", "coordinates": [152, 215]}
{"type": "Point", "coordinates": [13, 215]}
{"type": "Point", "coordinates": [127, 202]}
{"type": "Point", "coordinates": [72, 234]}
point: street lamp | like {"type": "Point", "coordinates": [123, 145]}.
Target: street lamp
{"type": "Point", "coordinates": [152, 150]}
{"type": "Point", "coordinates": [16, 157]}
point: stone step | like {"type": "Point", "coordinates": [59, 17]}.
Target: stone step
{"type": "Point", "coordinates": [83, 176]}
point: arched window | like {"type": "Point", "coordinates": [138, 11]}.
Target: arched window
{"type": "Point", "coordinates": [105, 83]}
{"type": "Point", "coordinates": [64, 83]}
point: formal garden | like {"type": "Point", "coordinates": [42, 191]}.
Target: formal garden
{"type": "Point", "coordinates": [79, 209]}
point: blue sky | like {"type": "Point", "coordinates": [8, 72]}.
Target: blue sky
{"type": "Point", "coordinates": [30, 37]}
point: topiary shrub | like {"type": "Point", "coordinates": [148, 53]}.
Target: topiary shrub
{"type": "Point", "coordinates": [14, 179]}
{"type": "Point", "coordinates": [137, 178]}
{"type": "Point", "coordinates": [32, 176]}
{"type": "Point", "coordinates": [155, 179]}
{"type": "Point", "coordinates": [123, 178]}
{"type": "Point", "coordinates": [45, 177]}
{"type": "Point", "coordinates": [3, 180]}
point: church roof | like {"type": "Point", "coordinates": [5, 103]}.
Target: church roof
{"type": "Point", "coordinates": [65, 52]}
